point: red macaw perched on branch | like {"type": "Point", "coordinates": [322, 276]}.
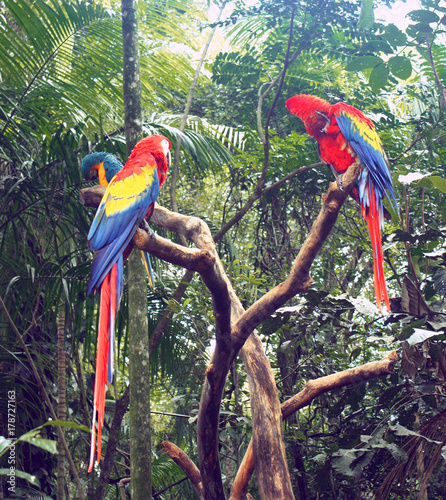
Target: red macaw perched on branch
{"type": "Point", "coordinates": [106, 165]}
{"type": "Point", "coordinates": [345, 135]}
{"type": "Point", "coordinates": [130, 196]}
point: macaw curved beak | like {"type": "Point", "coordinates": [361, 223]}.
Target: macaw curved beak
{"type": "Point", "coordinates": [93, 174]}
{"type": "Point", "coordinates": [169, 159]}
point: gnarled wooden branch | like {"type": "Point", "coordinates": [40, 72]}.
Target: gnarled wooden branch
{"type": "Point", "coordinates": [299, 279]}
{"type": "Point", "coordinates": [313, 389]}
{"type": "Point", "coordinates": [233, 329]}
{"type": "Point", "coordinates": [188, 466]}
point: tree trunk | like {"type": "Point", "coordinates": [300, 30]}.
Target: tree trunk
{"type": "Point", "coordinates": [113, 437]}
{"type": "Point", "coordinates": [62, 399]}
{"type": "Point", "coordinates": [139, 374]}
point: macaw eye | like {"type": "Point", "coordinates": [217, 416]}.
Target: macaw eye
{"type": "Point", "coordinates": [166, 146]}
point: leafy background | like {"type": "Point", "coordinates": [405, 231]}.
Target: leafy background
{"type": "Point", "coordinates": [61, 96]}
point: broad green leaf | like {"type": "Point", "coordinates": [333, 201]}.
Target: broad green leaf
{"type": "Point", "coordinates": [397, 453]}
{"type": "Point", "coordinates": [401, 67]}
{"type": "Point", "coordinates": [24, 475]}
{"type": "Point", "coordinates": [64, 423]}
{"type": "Point", "coordinates": [343, 460]}
{"type": "Point", "coordinates": [378, 77]}
{"type": "Point", "coordinates": [300, 435]}
{"type": "Point", "coordinates": [363, 62]}
{"type": "Point", "coordinates": [394, 35]}
{"type": "Point", "coordinates": [420, 335]}
{"type": "Point", "coordinates": [376, 46]}
{"type": "Point", "coordinates": [32, 437]}
{"type": "Point", "coordinates": [440, 281]}
{"type": "Point", "coordinates": [423, 16]}
{"type": "Point", "coordinates": [321, 457]}
{"type": "Point", "coordinates": [438, 182]}
{"type": "Point", "coordinates": [366, 16]}
{"type": "Point", "coordinates": [286, 345]}
{"type": "Point", "coordinates": [355, 353]}
{"type": "Point", "coordinates": [4, 444]}
{"type": "Point", "coordinates": [419, 29]}
{"type": "Point", "coordinates": [399, 430]}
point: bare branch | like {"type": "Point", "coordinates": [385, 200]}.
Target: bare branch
{"type": "Point", "coordinates": [174, 169]}
{"type": "Point", "coordinates": [121, 484]}
{"type": "Point", "coordinates": [186, 464]}
{"type": "Point", "coordinates": [313, 389]}
{"type": "Point", "coordinates": [299, 279]}
{"type": "Point", "coordinates": [229, 313]}
{"type": "Point", "coordinates": [258, 193]}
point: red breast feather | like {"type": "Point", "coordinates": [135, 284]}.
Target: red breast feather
{"type": "Point", "coordinates": [320, 122]}
{"type": "Point", "coordinates": [148, 148]}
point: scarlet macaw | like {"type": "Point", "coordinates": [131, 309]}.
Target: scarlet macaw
{"type": "Point", "coordinates": [106, 165]}
{"type": "Point", "coordinates": [130, 196]}
{"type": "Point", "coordinates": [345, 135]}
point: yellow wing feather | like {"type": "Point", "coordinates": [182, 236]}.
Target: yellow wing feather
{"type": "Point", "coordinates": [123, 194]}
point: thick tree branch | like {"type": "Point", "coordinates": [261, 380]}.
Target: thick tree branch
{"type": "Point", "coordinates": [189, 258]}
{"type": "Point", "coordinates": [229, 312]}
{"type": "Point", "coordinates": [299, 278]}
{"type": "Point", "coordinates": [312, 390]}
{"type": "Point", "coordinates": [189, 468]}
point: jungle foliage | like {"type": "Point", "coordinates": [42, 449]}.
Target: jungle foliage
{"type": "Point", "coordinates": [61, 97]}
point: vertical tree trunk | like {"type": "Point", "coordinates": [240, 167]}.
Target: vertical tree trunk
{"type": "Point", "coordinates": [139, 374]}
{"type": "Point", "coordinates": [62, 399]}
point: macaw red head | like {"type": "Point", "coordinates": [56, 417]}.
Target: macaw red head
{"type": "Point", "coordinates": [312, 110]}
{"type": "Point", "coordinates": [158, 146]}
{"type": "Point", "coordinates": [304, 106]}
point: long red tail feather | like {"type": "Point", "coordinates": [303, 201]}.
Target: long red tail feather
{"type": "Point", "coordinates": [107, 315]}
{"type": "Point", "coordinates": [374, 222]}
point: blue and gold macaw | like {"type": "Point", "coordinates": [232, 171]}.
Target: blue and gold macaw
{"type": "Point", "coordinates": [130, 197]}
{"type": "Point", "coordinates": [105, 165]}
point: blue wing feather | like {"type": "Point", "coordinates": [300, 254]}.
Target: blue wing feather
{"type": "Point", "coordinates": [105, 257]}
{"type": "Point", "coordinates": [372, 156]}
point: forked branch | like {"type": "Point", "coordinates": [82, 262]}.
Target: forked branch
{"type": "Point", "coordinates": [313, 389]}
{"type": "Point", "coordinates": [234, 327]}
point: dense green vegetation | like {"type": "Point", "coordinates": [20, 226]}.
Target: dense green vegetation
{"type": "Point", "coordinates": [61, 96]}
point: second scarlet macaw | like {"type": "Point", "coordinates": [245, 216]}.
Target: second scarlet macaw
{"type": "Point", "coordinates": [345, 135]}
{"type": "Point", "coordinates": [129, 198]}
